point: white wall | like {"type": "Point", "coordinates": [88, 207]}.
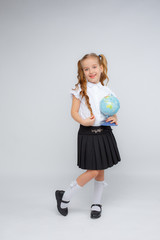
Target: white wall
{"type": "Point", "coordinates": [41, 42]}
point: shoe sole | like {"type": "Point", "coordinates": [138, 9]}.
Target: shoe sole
{"type": "Point", "coordinates": [95, 217]}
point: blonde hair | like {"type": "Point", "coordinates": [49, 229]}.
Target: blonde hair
{"type": "Point", "coordinates": [83, 82]}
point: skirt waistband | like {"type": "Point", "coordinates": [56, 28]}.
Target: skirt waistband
{"type": "Point", "coordinates": [93, 129]}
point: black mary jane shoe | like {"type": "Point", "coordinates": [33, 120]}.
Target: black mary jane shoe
{"type": "Point", "coordinates": [59, 195]}
{"type": "Point", "coordinates": [94, 213]}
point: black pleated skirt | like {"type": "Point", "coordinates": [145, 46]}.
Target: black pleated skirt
{"type": "Point", "coordinates": [97, 148]}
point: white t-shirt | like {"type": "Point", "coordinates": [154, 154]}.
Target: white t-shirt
{"type": "Point", "coordinates": [95, 91]}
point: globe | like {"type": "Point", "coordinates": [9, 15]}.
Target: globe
{"type": "Point", "coordinates": [109, 105]}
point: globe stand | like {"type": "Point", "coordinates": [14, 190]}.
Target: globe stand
{"type": "Point", "coordinates": [104, 123]}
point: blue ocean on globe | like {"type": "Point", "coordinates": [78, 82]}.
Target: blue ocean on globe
{"type": "Point", "coordinates": [109, 105]}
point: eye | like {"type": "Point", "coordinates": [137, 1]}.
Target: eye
{"type": "Point", "coordinates": [94, 67]}
{"type": "Point", "coordinates": [86, 69]}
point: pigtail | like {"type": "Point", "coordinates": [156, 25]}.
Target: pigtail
{"type": "Point", "coordinates": [103, 62]}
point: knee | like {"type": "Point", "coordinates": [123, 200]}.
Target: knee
{"type": "Point", "coordinates": [100, 176]}
{"type": "Point", "coordinates": [94, 173]}
{"type": "Point", "coordinates": [100, 172]}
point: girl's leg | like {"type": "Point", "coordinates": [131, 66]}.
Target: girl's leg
{"type": "Point", "coordinates": [99, 184]}
{"type": "Point", "coordinates": [87, 176]}
{"type": "Point", "coordinates": [100, 175]}
{"type": "Point", "coordinates": [77, 184]}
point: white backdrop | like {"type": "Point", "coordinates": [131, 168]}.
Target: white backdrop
{"type": "Point", "coordinates": [41, 43]}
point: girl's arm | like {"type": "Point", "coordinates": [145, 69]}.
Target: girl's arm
{"type": "Point", "coordinates": [75, 110]}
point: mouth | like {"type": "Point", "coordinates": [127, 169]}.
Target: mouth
{"type": "Point", "coordinates": [92, 76]}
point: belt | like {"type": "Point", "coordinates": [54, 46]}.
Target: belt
{"type": "Point", "coordinates": [94, 129]}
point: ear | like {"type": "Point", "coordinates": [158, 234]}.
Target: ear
{"type": "Point", "coordinates": [101, 67]}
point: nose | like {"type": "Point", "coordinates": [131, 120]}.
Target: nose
{"type": "Point", "coordinates": [90, 71]}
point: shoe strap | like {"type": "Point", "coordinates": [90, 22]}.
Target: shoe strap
{"type": "Point", "coordinates": [99, 205]}
{"type": "Point", "coordinates": [65, 201]}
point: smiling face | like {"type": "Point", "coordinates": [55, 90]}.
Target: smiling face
{"type": "Point", "coordinates": [92, 70]}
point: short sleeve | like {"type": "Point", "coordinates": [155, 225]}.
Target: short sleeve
{"type": "Point", "coordinates": [111, 92]}
{"type": "Point", "coordinates": [76, 92]}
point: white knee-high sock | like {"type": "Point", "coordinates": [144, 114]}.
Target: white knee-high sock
{"type": "Point", "coordinates": [97, 194]}
{"type": "Point", "coordinates": [70, 191]}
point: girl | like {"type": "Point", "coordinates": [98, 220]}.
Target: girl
{"type": "Point", "coordinates": [97, 147]}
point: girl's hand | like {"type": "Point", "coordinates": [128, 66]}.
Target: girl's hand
{"type": "Point", "coordinates": [112, 119]}
{"type": "Point", "coordinates": [89, 121]}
